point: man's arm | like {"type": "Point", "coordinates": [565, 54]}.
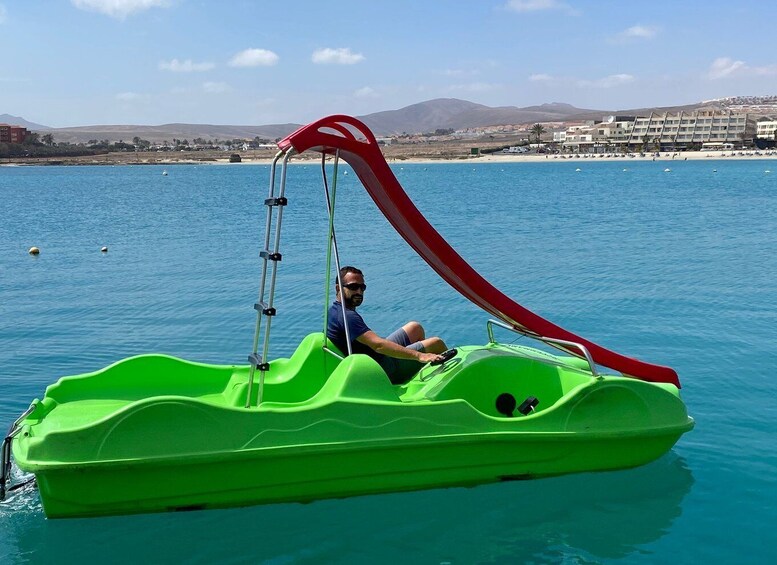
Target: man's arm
{"type": "Point", "coordinates": [391, 349]}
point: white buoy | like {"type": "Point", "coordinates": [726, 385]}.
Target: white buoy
{"type": "Point", "coordinates": [577, 170]}
{"type": "Point", "coordinates": [345, 173]}
{"type": "Point", "coordinates": [714, 170]}
{"type": "Point", "coordinates": [624, 170]}
{"type": "Point", "coordinates": [34, 251]}
{"type": "Point", "coordinates": [164, 173]}
{"type": "Point", "coordinates": [104, 249]}
{"type": "Point", "coordinates": [667, 170]}
{"type": "Point", "coordinates": [767, 171]}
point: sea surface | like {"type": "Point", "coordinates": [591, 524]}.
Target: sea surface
{"type": "Point", "coordinates": [678, 268]}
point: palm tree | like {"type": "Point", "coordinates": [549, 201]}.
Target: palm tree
{"type": "Point", "coordinates": [48, 139]}
{"type": "Point", "coordinates": [537, 130]}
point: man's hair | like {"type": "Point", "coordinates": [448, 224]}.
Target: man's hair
{"type": "Point", "coordinates": [348, 269]}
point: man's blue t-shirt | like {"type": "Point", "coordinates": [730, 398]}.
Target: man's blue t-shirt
{"type": "Point", "coordinates": [335, 331]}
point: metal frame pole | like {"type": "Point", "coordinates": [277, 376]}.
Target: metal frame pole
{"type": "Point", "coordinates": [330, 204]}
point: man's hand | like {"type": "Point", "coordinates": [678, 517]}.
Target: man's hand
{"type": "Point", "coordinates": [386, 347]}
{"type": "Point", "coordinates": [429, 357]}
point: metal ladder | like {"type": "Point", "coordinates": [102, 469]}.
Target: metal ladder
{"type": "Point", "coordinates": [265, 311]}
{"type": "Point", "coordinates": [5, 452]}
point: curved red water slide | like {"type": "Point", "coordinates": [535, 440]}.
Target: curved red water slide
{"type": "Point", "coordinates": [358, 147]}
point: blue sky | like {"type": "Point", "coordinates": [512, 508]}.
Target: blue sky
{"type": "Point", "coordinates": [83, 62]}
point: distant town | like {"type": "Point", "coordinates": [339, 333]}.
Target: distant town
{"type": "Point", "coordinates": [730, 123]}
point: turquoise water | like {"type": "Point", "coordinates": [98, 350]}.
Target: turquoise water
{"type": "Point", "coordinates": [677, 268]}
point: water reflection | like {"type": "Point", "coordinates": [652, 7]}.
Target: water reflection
{"type": "Point", "coordinates": [601, 515]}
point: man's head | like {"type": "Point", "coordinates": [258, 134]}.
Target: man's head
{"type": "Point", "coordinates": [352, 293]}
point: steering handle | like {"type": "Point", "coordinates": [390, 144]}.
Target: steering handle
{"type": "Point", "coordinates": [446, 356]}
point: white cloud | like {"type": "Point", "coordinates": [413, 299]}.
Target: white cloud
{"type": "Point", "coordinates": [723, 67]}
{"type": "Point", "coordinates": [187, 66]}
{"type": "Point", "coordinates": [254, 58]}
{"type": "Point", "coordinates": [118, 9]}
{"type": "Point", "coordinates": [527, 6]}
{"type": "Point", "coordinates": [366, 92]}
{"type": "Point", "coordinates": [636, 32]}
{"type": "Point", "coordinates": [3, 14]}
{"type": "Point", "coordinates": [216, 87]}
{"type": "Point", "coordinates": [341, 56]}
{"type": "Point", "coordinates": [540, 77]}
{"type": "Point", "coordinates": [608, 81]}
{"type": "Point", "coordinates": [128, 96]}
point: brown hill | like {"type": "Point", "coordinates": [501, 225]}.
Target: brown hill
{"type": "Point", "coordinates": [450, 113]}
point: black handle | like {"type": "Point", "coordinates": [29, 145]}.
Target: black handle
{"type": "Point", "coordinates": [446, 356]}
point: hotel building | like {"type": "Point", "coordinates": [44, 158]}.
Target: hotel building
{"type": "Point", "coordinates": [667, 131]}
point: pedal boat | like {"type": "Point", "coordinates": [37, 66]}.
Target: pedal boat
{"type": "Point", "coordinates": [155, 433]}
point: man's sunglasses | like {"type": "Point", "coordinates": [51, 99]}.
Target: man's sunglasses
{"type": "Point", "coordinates": [356, 286]}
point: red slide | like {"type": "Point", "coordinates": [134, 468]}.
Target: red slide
{"type": "Point", "coordinates": [359, 149]}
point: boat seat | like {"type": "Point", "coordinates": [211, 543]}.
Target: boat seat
{"type": "Point", "coordinates": [358, 377]}
{"type": "Point", "coordinates": [291, 380]}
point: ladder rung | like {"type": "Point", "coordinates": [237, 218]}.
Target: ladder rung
{"type": "Point", "coordinates": [281, 201]}
{"type": "Point", "coordinates": [270, 256]}
{"type": "Point", "coordinates": [264, 309]}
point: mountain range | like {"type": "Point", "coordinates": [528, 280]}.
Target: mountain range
{"type": "Point", "coordinates": [428, 116]}
{"type": "Point", "coordinates": [17, 121]}
{"type": "Point", "coordinates": [441, 113]}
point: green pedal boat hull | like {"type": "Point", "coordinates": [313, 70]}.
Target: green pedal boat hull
{"type": "Point", "coordinates": [154, 433]}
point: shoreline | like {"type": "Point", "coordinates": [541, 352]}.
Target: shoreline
{"type": "Point", "coordinates": [132, 159]}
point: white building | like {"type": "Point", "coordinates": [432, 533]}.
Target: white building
{"type": "Point", "coordinates": [684, 129]}
{"type": "Point", "coordinates": [666, 131]}
{"type": "Point", "coordinates": [766, 129]}
{"type": "Point", "coordinates": [601, 137]}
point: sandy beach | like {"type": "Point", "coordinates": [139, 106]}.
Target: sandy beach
{"type": "Point", "coordinates": [540, 158]}
{"type": "Point", "coordinates": [406, 154]}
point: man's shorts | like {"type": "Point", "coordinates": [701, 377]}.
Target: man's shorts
{"type": "Point", "coordinates": [400, 371]}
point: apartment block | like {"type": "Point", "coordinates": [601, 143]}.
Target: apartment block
{"type": "Point", "coordinates": [684, 129]}
{"type": "Point", "coordinates": [668, 131]}
{"type": "Point", "coordinates": [12, 134]}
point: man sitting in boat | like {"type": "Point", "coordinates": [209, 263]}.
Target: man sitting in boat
{"type": "Point", "coordinates": [401, 354]}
